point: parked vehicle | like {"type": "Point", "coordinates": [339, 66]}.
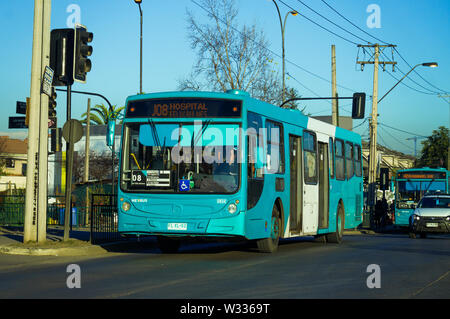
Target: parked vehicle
{"type": "Point", "coordinates": [432, 215]}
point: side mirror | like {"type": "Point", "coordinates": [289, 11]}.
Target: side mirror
{"type": "Point", "coordinates": [110, 132]}
{"type": "Point", "coordinates": [358, 105]}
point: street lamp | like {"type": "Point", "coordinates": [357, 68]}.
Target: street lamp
{"type": "Point", "coordinates": [428, 64]}
{"type": "Point", "coordinates": [283, 25]}
{"type": "Point", "coordinates": [140, 11]}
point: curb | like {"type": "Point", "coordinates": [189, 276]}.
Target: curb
{"type": "Point", "coordinates": [66, 251]}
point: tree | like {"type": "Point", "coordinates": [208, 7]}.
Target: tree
{"type": "Point", "coordinates": [435, 149]}
{"type": "Point", "coordinates": [101, 114]}
{"type": "Point", "coordinates": [229, 56]}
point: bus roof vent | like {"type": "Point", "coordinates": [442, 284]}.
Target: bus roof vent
{"type": "Point", "coordinates": [238, 92]}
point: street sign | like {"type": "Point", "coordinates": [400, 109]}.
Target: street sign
{"type": "Point", "coordinates": [21, 107]}
{"type": "Point", "coordinates": [47, 81]}
{"type": "Point", "coordinates": [17, 122]}
{"type": "Point", "coordinates": [77, 131]}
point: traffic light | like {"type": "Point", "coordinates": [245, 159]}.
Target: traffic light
{"type": "Point", "coordinates": [55, 140]}
{"type": "Point", "coordinates": [52, 109]}
{"type": "Point", "coordinates": [61, 56]}
{"type": "Point", "coordinates": [358, 105]}
{"type": "Point", "coordinates": [82, 51]}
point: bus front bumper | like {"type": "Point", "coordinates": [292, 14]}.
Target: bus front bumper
{"type": "Point", "coordinates": [202, 227]}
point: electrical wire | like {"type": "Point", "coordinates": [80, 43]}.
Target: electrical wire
{"type": "Point", "coordinates": [393, 128]}
{"type": "Point", "coordinates": [275, 54]}
{"type": "Point", "coordinates": [395, 49]}
{"type": "Point", "coordinates": [386, 131]}
{"type": "Point", "coordinates": [320, 15]}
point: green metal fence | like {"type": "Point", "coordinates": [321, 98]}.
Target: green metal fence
{"type": "Point", "coordinates": [12, 208]}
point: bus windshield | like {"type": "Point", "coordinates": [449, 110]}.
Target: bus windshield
{"type": "Point", "coordinates": [195, 157]}
{"type": "Point", "coordinates": [410, 191]}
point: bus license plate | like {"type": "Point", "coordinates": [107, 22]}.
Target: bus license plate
{"type": "Point", "coordinates": [432, 225]}
{"type": "Point", "coordinates": [177, 226]}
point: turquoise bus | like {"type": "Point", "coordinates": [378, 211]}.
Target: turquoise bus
{"type": "Point", "coordinates": [411, 184]}
{"type": "Point", "coordinates": [225, 165]}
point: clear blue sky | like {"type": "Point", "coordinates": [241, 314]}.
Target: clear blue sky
{"type": "Point", "coordinates": [420, 29]}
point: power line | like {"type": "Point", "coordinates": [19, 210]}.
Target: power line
{"type": "Point", "coordinates": [393, 128]}
{"type": "Point", "coordinates": [360, 124]}
{"type": "Point", "coordinates": [384, 130]}
{"type": "Point", "coordinates": [320, 15]}
{"type": "Point", "coordinates": [410, 79]}
{"type": "Point", "coordinates": [353, 23]}
{"type": "Point", "coordinates": [395, 49]}
{"type": "Point", "coordinates": [401, 57]}
{"type": "Point", "coordinates": [272, 52]}
{"type": "Point", "coordinates": [317, 24]}
{"type": "Point", "coordinates": [391, 75]}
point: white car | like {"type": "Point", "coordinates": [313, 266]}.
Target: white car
{"type": "Point", "coordinates": [432, 215]}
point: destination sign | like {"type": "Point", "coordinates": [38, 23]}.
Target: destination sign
{"type": "Point", "coordinates": [421, 175]}
{"type": "Point", "coordinates": [183, 108]}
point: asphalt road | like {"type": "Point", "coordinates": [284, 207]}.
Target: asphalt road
{"type": "Point", "coordinates": [407, 268]}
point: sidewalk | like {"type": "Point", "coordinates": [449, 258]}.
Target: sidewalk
{"type": "Point", "coordinates": [11, 242]}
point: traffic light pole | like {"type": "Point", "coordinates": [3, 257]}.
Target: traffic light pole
{"type": "Point", "coordinates": [69, 163]}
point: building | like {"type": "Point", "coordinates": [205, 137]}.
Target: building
{"type": "Point", "coordinates": [13, 153]}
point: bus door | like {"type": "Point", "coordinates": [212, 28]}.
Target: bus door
{"type": "Point", "coordinates": [310, 183]}
{"type": "Point", "coordinates": [296, 182]}
{"type": "Point", "coordinates": [323, 186]}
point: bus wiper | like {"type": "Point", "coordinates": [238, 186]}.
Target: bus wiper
{"type": "Point", "coordinates": [200, 133]}
{"type": "Point", "coordinates": [154, 132]}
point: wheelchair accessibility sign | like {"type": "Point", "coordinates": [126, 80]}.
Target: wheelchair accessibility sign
{"type": "Point", "coordinates": [184, 185]}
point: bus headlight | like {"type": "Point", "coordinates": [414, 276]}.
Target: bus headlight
{"type": "Point", "coordinates": [232, 208]}
{"type": "Point", "coordinates": [126, 206]}
{"type": "Point", "coordinates": [447, 218]}
{"type": "Point", "coordinates": [416, 217]}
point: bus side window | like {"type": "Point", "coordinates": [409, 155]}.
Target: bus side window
{"type": "Point", "coordinates": [255, 169]}
{"type": "Point", "coordinates": [339, 160]}
{"type": "Point", "coordinates": [310, 157]}
{"type": "Point", "coordinates": [349, 159]}
{"type": "Point", "coordinates": [275, 147]}
{"type": "Point", "coordinates": [358, 163]}
{"type": "Point", "coordinates": [331, 157]}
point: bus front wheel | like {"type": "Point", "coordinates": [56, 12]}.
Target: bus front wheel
{"type": "Point", "coordinates": [336, 237]}
{"type": "Point", "coordinates": [270, 245]}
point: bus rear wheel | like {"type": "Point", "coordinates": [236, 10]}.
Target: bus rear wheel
{"type": "Point", "coordinates": [270, 245]}
{"type": "Point", "coordinates": [336, 237]}
{"type": "Point", "coordinates": [168, 245]}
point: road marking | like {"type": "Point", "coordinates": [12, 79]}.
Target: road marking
{"type": "Point", "coordinates": [430, 284]}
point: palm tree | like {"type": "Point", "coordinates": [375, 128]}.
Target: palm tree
{"type": "Point", "coordinates": [101, 114]}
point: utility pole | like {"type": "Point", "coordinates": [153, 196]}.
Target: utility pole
{"type": "Point", "coordinates": [415, 138]}
{"type": "Point", "coordinates": [86, 158]}
{"type": "Point", "coordinates": [335, 110]}
{"type": "Point", "coordinates": [373, 121]}
{"type": "Point", "coordinates": [36, 191]}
